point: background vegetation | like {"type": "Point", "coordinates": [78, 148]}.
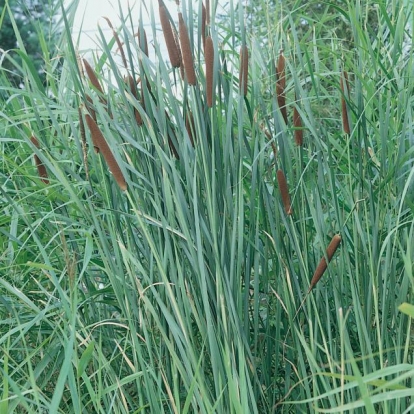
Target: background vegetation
{"type": "Point", "coordinates": [149, 259]}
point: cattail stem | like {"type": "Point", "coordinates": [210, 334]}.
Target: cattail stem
{"type": "Point", "coordinates": [244, 69]}
{"type": "Point", "coordinates": [172, 46]}
{"type": "Point", "coordinates": [209, 55]}
{"type": "Point", "coordinates": [284, 192]}
{"type": "Point", "coordinates": [281, 85]}
{"type": "Point", "coordinates": [100, 142]}
{"type": "Point", "coordinates": [323, 264]}
{"type": "Point", "coordinates": [41, 169]}
{"type": "Point", "coordinates": [186, 51]}
{"type": "Point", "coordinates": [118, 42]}
{"type": "Point", "coordinates": [345, 94]}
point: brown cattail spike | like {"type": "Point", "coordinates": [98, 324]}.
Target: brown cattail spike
{"type": "Point", "coordinates": [209, 70]}
{"type": "Point", "coordinates": [323, 264]}
{"type": "Point", "coordinates": [345, 94]}
{"type": "Point", "coordinates": [244, 69]}
{"type": "Point", "coordinates": [297, 123]}
{"type": "Point", "coordinates": [92, 76]}
{"type": "Point", "coordinates": [186, 51]}
{"type": "Point", "coordinates": [284, 192]}
{"type": "Point", "coordinates": [172, 47]}
{"type": "Point", "coordinates": [281, 85]}
{"type": "Point", "coordinates": [41, 169]}
{"type": "Point", "coordinates": [203, 25]}
{"type": "Point", "coordinates": [100, 142]}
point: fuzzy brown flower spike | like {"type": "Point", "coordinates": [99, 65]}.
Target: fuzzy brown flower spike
{"type": "Point", "coordinates": [345, 94]}
{"type": "Point", "coordinates": [244, 69]}
{"type": "Point", "coordinates": [209, 70]}
{"type": "Point", "coordinates": [284, 192]}
{"type": "Point", "coordinates": [100, 142]}
{"type": "Point", "coordinates": [186, 51]}
{"type": "Point", "coordinates": [41, 169]}
{"type": "Point", "coordinates": [172, 47]}
{"type": "Point", "coordinates": [323, 264]}
{"type": "Point", "coordinates": [281, 85]}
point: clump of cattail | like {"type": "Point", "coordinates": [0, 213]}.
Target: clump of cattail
{"type": "Point", "coordinates": [323, 264]}
{"type": "Point", "coordinates": [281, 85]}
{"type": "Point", "coordinates": [345, 94]}
{"type": "Point", "coordinates": [244, 69]}
{"type": "Point", "coordinates": [186, 51]}
{"type": "Point", "coordinates": [284, 192]}
{"type": "Point", "coordinates": [209, 55]}
{"type": "Point", "coordinates": [190, 126]}
{"type": "Point", "coordinates": [118, 42]}
{"type": "Point", "coordinates": [297, 123]}
{"type": "Point", "coordinates": [41, 169]}
{"type": "Point", "coordinates": [133, 87]}
{"type": "Point", "coordinates": [100, 142]}
{"type": "Point", "coordinates": [172, 46]}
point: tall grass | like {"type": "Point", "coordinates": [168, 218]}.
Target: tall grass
{"type": "Point", "coordinates": [191, 290]}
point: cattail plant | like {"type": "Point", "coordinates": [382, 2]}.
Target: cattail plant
{"type": "Point", "coordinates": [244, 69]}
{"type": "Point", "coordinates": [281, 85]}
{"type": "Point", "coordinates": [186, 51]}
{"type": "Point", "coordinates": [284, 192]}
{"type": "Point", "coordinates": [41, 169]}
{"type": "Point", "coordinates": [208, 12]}
{"type": "Point", "coordinates": [172, 46]}
{"type": "Point", "coordinates": [345, 94]}
{"type": "Point", "coordinates": [297, 123]}
{"type": "Point", "coordinates": [209, 56]}
{"type": "Point", "coordinates": [323, 264]}
{"type": "Point", "coordinates": [118, 42]}
{"type": "Point", "coordinates": [100, 142]}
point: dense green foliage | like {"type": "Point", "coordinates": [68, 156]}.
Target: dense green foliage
{"type": "Point", "coordinates": [31, 25]}
{"type": "Point", "coordinates": [189, 292]}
